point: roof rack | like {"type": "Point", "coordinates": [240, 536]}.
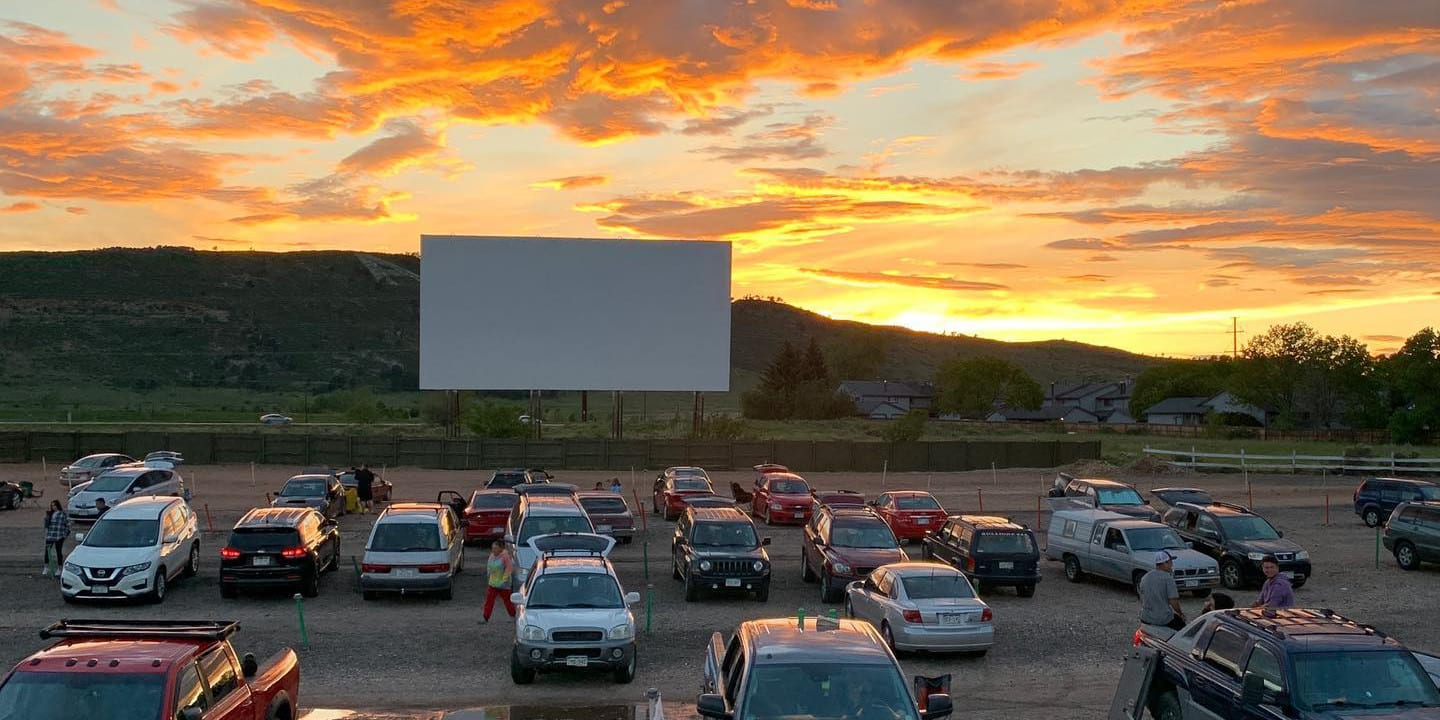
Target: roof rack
{"type": "Point", "coordinates": [1277, 623]}
{"type": "Point", "coordinates": [158, 629]}
{"type": "Point", "coordinates": [1231, 506]}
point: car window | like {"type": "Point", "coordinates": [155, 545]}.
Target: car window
{"type": "Point", "coordinates": [1205, 525]}
{"type": "Point", "coordinates": [937, 586]}
{"type": "Point", "coordinates": [405, 537]}
{"type": "Point", "coordinates": [1004, 542]}
{"type": "Point", "coordinates": [873, 535]}
{"type": "Point", "coordinates": [220, 673]}
{"type": "Point", "coordinates": [1224, 651]}
{"type": "Point", "coordinates": [1069, 530]}
{"type": "Point", "coordinates": [1113, 538]}
{"type": "Point", "coordinates": [1390, 494]}
{"type": "Point", "coordinates": [1428, 515]}
{"type": "Point", "coordinates": [732, 680]}
{"type": "Point", "coordinates": [1264, 664]}
{"type": "Point", "coordinates": [917, 502]}
{"type": "Point", "coordinates": [188, 691]}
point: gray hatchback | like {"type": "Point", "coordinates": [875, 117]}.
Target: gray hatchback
{"type": "Point", "coordinates": [413, 548]}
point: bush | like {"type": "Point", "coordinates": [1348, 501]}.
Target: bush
{"type": "Point", "coordinates": [723, 427]}
{"type": "Point", "coordinates": [909, 428]}
{"type": "Point", "coordinates": [364, 410]}
{"type": "Point", "coordinates": [1359, 451]}
{"type": "Point", "coordinates": [492, 419]}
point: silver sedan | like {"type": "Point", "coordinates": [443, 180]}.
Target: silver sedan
{"type": "Point", "coordinates": [922, 606]}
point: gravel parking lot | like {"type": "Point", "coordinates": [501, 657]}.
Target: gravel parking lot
{"type": "Point", "coordinates": [1056, 654]}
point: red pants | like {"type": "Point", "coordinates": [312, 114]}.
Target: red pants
{"type": "Point", "coordinates": [504, 594]}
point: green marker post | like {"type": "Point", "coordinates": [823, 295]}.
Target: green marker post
{"type": "Point", "coordinates": [1377, 546]}
{"type": "Point", "coordinates": [649, 605]}
{"type": "Point", "coordinates": [300, 612]}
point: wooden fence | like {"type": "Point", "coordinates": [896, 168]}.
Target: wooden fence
{"type": "Point", "coordinates": [1295, 463]}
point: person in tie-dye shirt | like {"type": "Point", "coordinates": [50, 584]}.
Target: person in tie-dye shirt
{"type": "Point", "coordinates": [499, 567]}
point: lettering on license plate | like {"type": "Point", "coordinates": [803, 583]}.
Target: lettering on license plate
{"type": "Point", "coordinates": [406, 572]}
{"type": "Point", "coordinates": [732, 582]}
{"type": "Point", "coordinates": [100, 589]}
{"type": "Point", "coordinates": [800, 516]}
{"type": "Point", "coordinates": [922, 521]}
{"type": "Point", "coordinates": [576, 661]}
{"type": "Point", "coordinates": [1188, 583]}
{"type": "Point", "coordinates": [262, 560]}
{"type": "Point", "coordinates": [497, 531]}
{"type": "Point", "coordinates": [602, 528]}
{"type": "Point", "coordinates": [951, 618]}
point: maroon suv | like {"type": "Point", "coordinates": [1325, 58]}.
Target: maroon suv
{"type": "Point", "coordinates": [844, 544]}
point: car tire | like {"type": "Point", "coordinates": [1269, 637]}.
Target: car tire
{"type": "Point", "coordinates": [334, 560]}
{"type": "Point", "coordinates": [925, 551]}
{"type": "Point", "coordinates": [654, 506]}
{"type": "Point", "coordinates": [1406, 557]}
{"type": "Point", "coordinates": [1232, 576]}
{"type": "Point", "coordinates": [982, 588]}
{"type": "Point", "coordinates": [310, 586]}
{"type": "Point", "coordinates": [623, 675]}
{"type": "Point", "coordinates": [849, 607]}
{"type": "Point", "coordinates": [668, 516]}
{"type": "Point", "coordinates": [229, 592]}
{"type": "Point", "coordinates": [192, 564]}
{"type": "Point", "coordinates": [889, 637]}
{"type": "Point", "coordinates": [763, 594]}
{"type": "Point", "coordinates": [460, 564]}
{"type": "Point", "coordinates": [1025, 591]}
{"type": "Point", "coordinates": [1135, 578]}
{"type": "Point", "coordinates": [519, 673]}
{"type": "Point", "coordinates": [768, 516]}
{"type": "Point", "coordinates": [806, 574]}
{"type": "Point", "coordinates": [828, 594]}
{"type": "Point", "coordinates": [1371, 516]}
{"type": "Point", "coordinates": [675, 570]}
{"type": "Point", "coordinates": [626, 540]}
{"type": "Point", "coordinates": [1166, 706]}
{"type": "Point", "coordinates": [692, 591]}
{"type": "Point", "coordinates": [160, 585]}
{"type": "Point", "coordinates": [69, 599]}
{"type": "Point", "coordinates": [1073, 573]}
{"type": "Point", "coordinates": [448, 593]}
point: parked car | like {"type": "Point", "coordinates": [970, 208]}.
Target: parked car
{"type": "Point", "coordinates": [1376, 498]}
{"type": "Point", "coordinates": [1121, 548]}
{"type": "Point", "coordinates": [1262, 663]}
{"type": "Point", "coordinates": [811, 668]}
{"type": "Point", "coordinates": [275, 419]}
{"type": "Point", "coordinates": [573, 614]}
{"type": "Point", "coordinates": [718, 550]}
{"type": "Point", "coordinates": [134, 551]}
{"type": "Point", "coordinates": [671, 491]}
{"type": "Point", "coordinates": [922, 606]}
{"type": "Point", "coordinates": [836, 498]}
{"type": "Point", "coordinates": [842, 545]}
{"type": "Point", "coordinates": [1109, 495]}
{"type": "Point", "coordinates": [413, 548]}
{"type": "Point", "coordinates": [507, 479]}
{"type": "Point", "coordinates": [991, 551]}
{"type": "Point", "coordinates": [909, 513]}
{"type": "Point", "coordinates": [709, 501]}
{"type": "Point", "coordinates": [1413, 534]}
{"type": "Point", "coordinates": [680, 471]}
{"type": "Point", "coordinates": [486, 515]}
{"type": "Point", "coordinates": [609, 514]}
{"type": "Point", "coordinates": [279, 547]}
{"type": "Point", "coordinates": [174, 459]}
{"type": "Point", "coordinates": [91, 466]}
{"type": "Point", "coordinates": [781, 497]}
{"type": "Point", "coordinates": [11, 495]}
{"type": "Point", "coordinates": [320, 492]}
{"type": "Point", "coordinates": [1237, 539]}
{"type": "Point", "coordinates": [169, 669]}
{"type": "Point", "coordinates": [119, 485]}
{"type": "Point", "coordinates": [381, 490]}
{"type": "Point", "coordinates": [541, 513]}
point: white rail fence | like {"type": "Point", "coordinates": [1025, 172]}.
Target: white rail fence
{"type": "Point", "coordinates": [1294, 463]}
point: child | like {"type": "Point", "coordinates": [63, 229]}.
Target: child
{"type": "Point", "coordinates": [500, 568]}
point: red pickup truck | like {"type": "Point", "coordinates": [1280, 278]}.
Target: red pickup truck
{"type": "Point", "coordinates": [149, 670]}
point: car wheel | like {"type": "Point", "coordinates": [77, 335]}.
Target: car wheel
{"type": "Point", "coordinates": [192, 565]}
{"type": "Point", "coordinates": [924, 551]}
{"type": "Point", "coordinates": [1135, 578]}
{"type": "Point", "coordinates": [625, 674]}
{"type": "Point", "coordinates": [889, 636]}
{"type": "Point", "coordinates": [675, 569]}
{"type": "Point", "coordinates": [1025, 590]}
{"type": "Point", "coordinates": [460, 564]}
{"type": "Point", "coordinates": [1372, 517]}
{"type": "Point", "coordinates": [519, 673]}
{"type": "Point", "coordinates": [157, 595]}
{"type": "Point", "coordinates": [982, 588]}
{"type": "Point", "coordinates": [448, 592]}
{"type": "Point", "coordinates": [849, 607]}
{"type": "Point", "coordinates": [1166, 706]}
{"type": "Point", "coordinates": [763, 594]}
{"type": "Point", "coordinates": [668, 516]}
{"type": "Point", "coordinates": [806, 574]}
{"type": "Point", "coordinates": [654, 506]}
{"type": "Point", "coordinates": [827, 589]}
{"type": "Point", "coordinates": [229, 592]}
{"type": "Point", "coordinates": [310, 586]}
{"type": "Point", "coordinates": [1073, 573]}
{"type": "Point", "coordinates": [1231, 575]}
{"type": "Point", "coordinates": [69, 599]}
{"type": "Point", "coordinates": [1405, 556]}
{"type": "Point", "coordinates": [692, 592]}
{"type": "Point", "coordinates": [335, 559]}
{"type": "Point", "coordinates": [626, 540]}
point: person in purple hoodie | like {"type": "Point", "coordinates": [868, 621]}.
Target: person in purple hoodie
{"type": "Point", "coordinates": [1276, 593]}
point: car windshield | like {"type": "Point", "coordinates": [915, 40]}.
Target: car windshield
{"type": "Point", "coordinates": [691, 482]}
{"type": "Point", "coordinates": [1390, 678]}
{"type": "Point", "coordinates": [405, 537]}
{"type": "Point", "coordinates": [1004, 542]}
{"type": "Point", "coordinates": [304, 488]}
{"type": "Point", "coordinates": [916, 502]}
{"type": "Point", "coordinates": [493, 501]}
{"type": "Point", "coordinates": [937, 585]}
{"type": "Point", "coordinates": [67, 695]}
{"type": "Point", "coordinates": [1430, 492]}
{"type": "Point", "coordinates": [114, 533]}
{"type": "Point", "coordinates": [506, 480]}
{"type": "Point", "coordinates": [89, 461]}
{"type": "Point", "coordinates": [725, 535]}
{"type": "Point", "coordinates": [1248, 527]}
{"type": "Point", "coordinates": [263, 538]}
{"type": "Point", "coordinates": [574, 590]}
{"type": "Point", "coordinates": [842, 499]}
{"type": "Point", "coordinates": [789, 487]}
{"type": "Point", "coordinates": [110, 483]}
{"type": "Point", "coordinates": [604, 505]}
{"type": "Point", "coordinates": [868, 535]}
{"type": "Point", "coordinates": [557, 524]}
{"type": "Point", "coordinates": [1153, 539]}
{"type": "Point", "coordinates": [827, 690]}
{"type": "Point", "coordinates": [1119, 496]}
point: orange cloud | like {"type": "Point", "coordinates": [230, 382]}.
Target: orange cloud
{"type": "Point", "coordinates": [19, 207]}
{"type": "Point", "coordinates": [406, 144]}
{"type": "Point", "coordinates": [998, 70]}
{"type": "Point", "coordinates": [74, 210]}
{"type": "Point", "coordinates": [936, 282]}
{"type": "Point", "coordinates": [573, 182]}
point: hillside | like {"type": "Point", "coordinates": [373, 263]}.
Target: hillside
{"type": "Point", "coordinates": [140, 319]}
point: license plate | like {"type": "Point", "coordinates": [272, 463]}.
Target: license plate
{"type": "Point", "coordinates": [800, 516]}
{"type": "Point", "coordinates": [1288, 575]}
{"type": "Point", "coordinates": [922, 521]}
{"type": "Point", "coordinates": [602, 528]}
{"type": "Point", "coordinates": [497, 531]}
{"type": "Point", "coordinates": [262, 560]}
{"type": "Point", "coordinates": [1189, 583]}
{"type": "Point", "coordinates": [100, 589]}
{"type": "Point", "coordinates": [576, 661]}
{"type": "Point", "coordinates": [951, 618]}
{"type": "Point", "coordinates": [406, 572]}
{"type": "Point", "coordinates": [1006, 565]}
{"type": "Point", "coordinates": [732, 582]}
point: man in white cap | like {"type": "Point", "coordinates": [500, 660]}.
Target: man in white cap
{"type": "Point", "coordinates": [1159, 597]}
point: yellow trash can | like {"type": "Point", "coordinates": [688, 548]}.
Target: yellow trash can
{"type": "Point", "coordinates": [352, 500]}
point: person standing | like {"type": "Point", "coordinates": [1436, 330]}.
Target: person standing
{"type": "Point", "coordinates": [57, 529]}
{"type": "Point", "coordinates": [499, 569]}
{"type": "Point", "coordinates": [1159, 597]}
{"type": "Point", "coordinates": [615, 486]}
{"type": "Point", "coordinates": [101, 507]}
{"type": "Point", "coordinates": [1277, 592]}
{"type": "Point", "coordinates": [364, 479]}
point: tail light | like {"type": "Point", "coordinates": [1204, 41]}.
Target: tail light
{"type": "Point", "coordinates": [436, 568]}
{"type": "Point", "coordinates": [912, 616]}
{"type": "Point", "coordinates": [294, 553]}
{"type": "Point", "coordinates": [1135, 641]}
{"type": "Point", "coordinates": [986, 615]}
{"type": "Point", "coordinates": [229, 553]}
{"type": "Point", "coordinates": [371, 568]}
{"type": "Point", "coordinates": [970, 564]}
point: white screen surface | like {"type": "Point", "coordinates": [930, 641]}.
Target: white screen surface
{"type": "Point", "coordinates": [500, 313]}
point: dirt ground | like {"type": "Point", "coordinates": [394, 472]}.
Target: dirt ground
{"type": "Point", "coordinates": [1057, 654]}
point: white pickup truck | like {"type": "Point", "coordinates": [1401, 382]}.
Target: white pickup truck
{"type": "Point", "coordinates": [1110, 545]}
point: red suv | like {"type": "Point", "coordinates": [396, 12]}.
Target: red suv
{"type": "Point", "coordinates": [780, 498]}
{"type": "Point", "coordinates": [843, 545]}
{"type": "Point", "coordinates": [909, 513]}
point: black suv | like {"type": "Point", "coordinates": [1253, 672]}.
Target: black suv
{"type": "Point", "coordinates": [1376, 498]}
{"type": "Point", "coordinates": [815, 667]}
{"type": "Point", "coordinates": [508, 479]}
{"type": "Point", "coordinates": [843, 545]}
{"type": "Point", "coordinates": [1239, 540]}
{"type": "Point", "coordinates": [279, 547]}
{"type": "Point", "coordinates": [1413, 534]}
{"type": "Point", "coordinates": [991, 551]}
{"type": "Point", "coordinates": [1254, 664]}
{"type": "Point", "coordinates": [718, 549]}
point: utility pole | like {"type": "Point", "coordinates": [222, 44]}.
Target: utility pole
{"type": "Point", "coordinates": [1234, 337]}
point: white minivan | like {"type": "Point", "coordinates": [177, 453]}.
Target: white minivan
{"type": "Point", "coordinates": [134, 551]}
{"type": "Point", "coordinates": [119, 485]}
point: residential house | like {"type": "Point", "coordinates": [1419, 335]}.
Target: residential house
{"type": "Point", "coordinates": [1192, 410]}
{"type": "Point", "coordinates": [1044, 414]}
{"type": "Point", "coordinates": [1107, 400]}
{"type": "Point", "coordinates": [879, 409]}
{"type": "Point", "coordinates": [882, 399]}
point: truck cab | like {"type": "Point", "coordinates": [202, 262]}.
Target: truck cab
{"type": "Point", "coordinates": [160, 669]}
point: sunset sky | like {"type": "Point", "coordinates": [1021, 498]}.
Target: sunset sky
{"type": "Point", "coordinates": [1129, 174]}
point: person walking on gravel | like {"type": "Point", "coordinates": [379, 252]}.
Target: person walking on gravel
{"type": "Point", "coordinates": [364, 478]}
{"type": "Point", "coordinates": [1159, 597]}
{"type": "Point", "coordinates": [499, 569]}
{"type": "Point", "coordinates": [1276, 593]}
{"type": "Point", "coordinates": [57, 528]}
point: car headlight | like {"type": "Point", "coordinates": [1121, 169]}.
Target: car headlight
{"type": "Point", "coordinates": [705, 565]}
{"type": "Point", "coordinates": [72, 568]}
{"type": "Point", "coordinates": [840, 568]}
{"type": "Point", "coordinates": [622, 632]}
{"type": "Point", "coordinates": [132, 569]}
{"type": "Point", "coordinates": [1257, 557]}
{"type": "Point", "coordinates": [758, 565]}
{"type": "Point", "coordinates": [1302, 555]}
{"type": "Point", "coordinates": [532, 632]}
{"type": "Point", "coordinates": [775, 506]}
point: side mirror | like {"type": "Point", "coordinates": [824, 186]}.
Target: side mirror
{"type": "Point", "coordinates": [1280, 533]}
{"type": "Point", "coordinates": [79, 537]}
{"type": "Point", "coordinates": [1190, 545]}
{"type": "Point", "coordinates": [192, 713]}
{"type": "Point", "coordinates": [131, 490]}
{"type": "Point", "coordinates": [765, 541]}
{"type": "Point", "coordinates": [937, 706]}
{"type": "Point", "coordinates": [172, 538]}
{"type": "Point", "coordinates": [517, 599]}
{"type": "Point", "coordinates": [632, 598]}
{"type": "Point", "coordinates": [712, 705]}
{"type": "Point", "coordinates": [248, 666]}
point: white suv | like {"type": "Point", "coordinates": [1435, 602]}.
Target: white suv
{"type": "Point", "coordinates": [572, 613]}
{"type": "Point", "coordinates": [133, 551]}
{"type": "Point", "coordinates": [544, 510]}
{"type": "Point", "coordinates": [121, 484]}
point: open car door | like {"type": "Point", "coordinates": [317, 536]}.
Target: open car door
{"type": "Point", "coordinates": [1173, 495]}
{"type": "Point", "coordinates": [1133, 690]}
{"type": "Point", "coordinates": [571, 544]}
{"type": "Point", "coordinates": [455, 500]}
